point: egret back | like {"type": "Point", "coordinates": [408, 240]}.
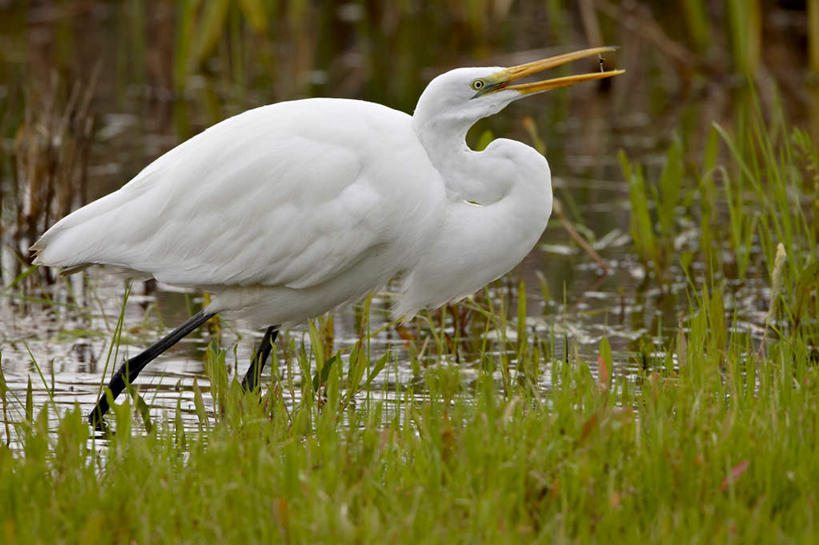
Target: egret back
{"type": "Point", "coordinates": [288, 195]}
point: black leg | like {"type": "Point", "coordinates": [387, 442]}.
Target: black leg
{"type": "Point", "coordinates": [254, 372]}
{"type": "Point", "coordinates": [136, 364]}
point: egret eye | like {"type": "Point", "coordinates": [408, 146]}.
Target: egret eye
{"type": "Point", "coordinates": [478, 84]}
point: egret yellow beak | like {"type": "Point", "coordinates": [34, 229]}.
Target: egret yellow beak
{"type": "Point", "coordinates": [503, 78]}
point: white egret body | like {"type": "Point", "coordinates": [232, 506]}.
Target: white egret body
{"type": "Point", "coordinates": [286, 211]}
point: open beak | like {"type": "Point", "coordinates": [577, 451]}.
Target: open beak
{"type": "Point", "coordinates": [503, 78]}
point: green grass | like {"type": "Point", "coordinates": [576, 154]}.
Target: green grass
{"type": "Point", "coordinates": [720, 449]}
{"type": "Point", "coordinates": [714, 440]}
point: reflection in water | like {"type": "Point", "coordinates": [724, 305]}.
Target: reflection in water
{"type": "Point", "coordinates": [91, 92]}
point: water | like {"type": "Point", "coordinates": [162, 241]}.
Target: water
{"type": "Point", "coordinates": [149, 96]}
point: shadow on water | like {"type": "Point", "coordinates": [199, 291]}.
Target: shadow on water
{"type": "Point", "coordinates": [92, 91]}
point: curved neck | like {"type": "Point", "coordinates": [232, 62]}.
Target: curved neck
{"type": "Point", "coordinates": [442, 137]}
{"type": "Point", "coordinates": [463, 171]}
{"type": "Point", "coordinates": [477, 244]}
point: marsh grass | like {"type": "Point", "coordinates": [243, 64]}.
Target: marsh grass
{"type": "Point", "coordinates": [502, 434]}
{"type": "Point", "coordinates": [755, 189]}
{"type": "Point", "coordinates": [712, 443]}
{"type": "Point", "coordinates": [712, 440]}
{"type": "Point", "coordinates": [49, 157]}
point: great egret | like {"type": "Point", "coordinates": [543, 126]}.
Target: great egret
{"type": "Point", "coordinates": [286, 211]}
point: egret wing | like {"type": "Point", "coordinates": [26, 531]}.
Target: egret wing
{"type": "Point", "coordinates": [278, 198]}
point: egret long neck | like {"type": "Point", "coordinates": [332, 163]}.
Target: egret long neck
{"type": "Point", "coordinates": [480, 241]}
{"type": "Point", "coordinates": [464, 174]}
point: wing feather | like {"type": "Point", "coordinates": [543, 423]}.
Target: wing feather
{"type": "Point", "coordinates": [284, 195]}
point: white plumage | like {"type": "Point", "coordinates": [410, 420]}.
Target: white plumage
{"type": "Point", "coordinates": [310, 197]}
{"type": "Point", "coordinates": [287, 211]}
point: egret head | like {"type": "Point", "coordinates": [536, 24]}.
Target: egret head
{"type": "Point", "coordinates": [464, 95]}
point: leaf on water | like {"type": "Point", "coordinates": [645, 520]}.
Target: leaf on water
{"type": "Point", "coordinates": [735, 473]}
